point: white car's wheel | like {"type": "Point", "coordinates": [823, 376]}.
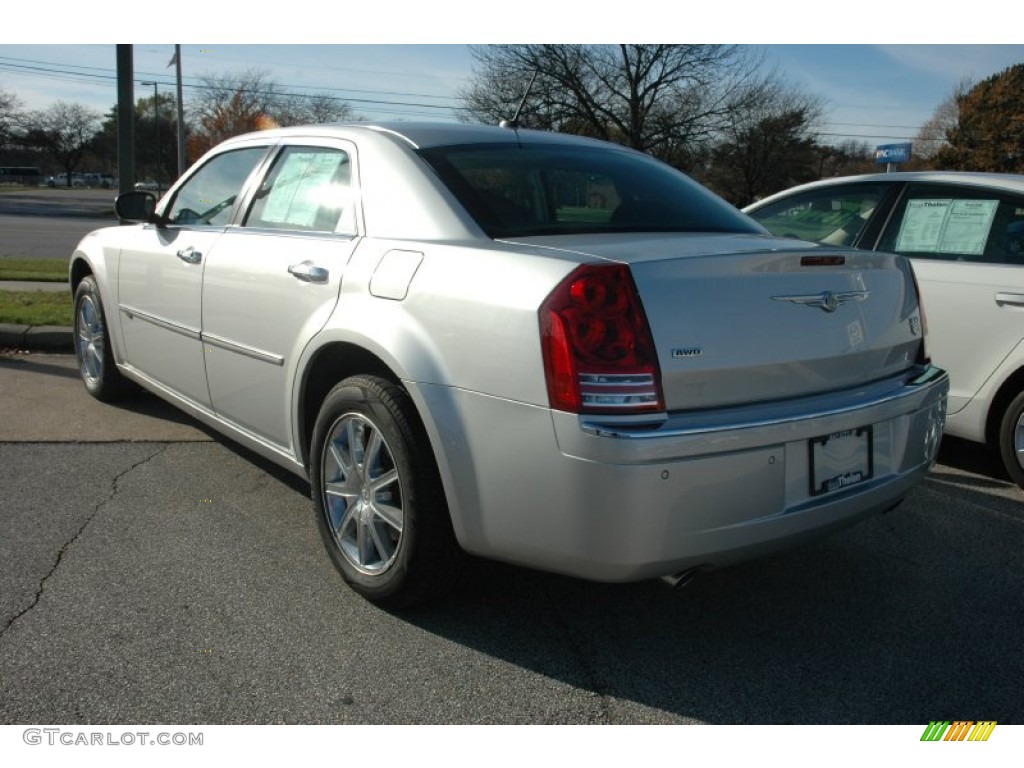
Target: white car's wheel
{"type": "Point", "coordinates": [380, 505]}
{"type": "Point", "coordinates": [1011, 439]}
{"type": "Point", "coordinates": [96, 364]}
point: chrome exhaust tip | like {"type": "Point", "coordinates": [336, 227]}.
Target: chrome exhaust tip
{"type": "Point", "coordinates": [683, 578]}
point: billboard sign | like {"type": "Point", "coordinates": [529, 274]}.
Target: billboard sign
{"type": "Point", "coordinates": [892, 153]}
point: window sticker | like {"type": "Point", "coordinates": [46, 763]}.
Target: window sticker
{"type": "Point", "coordinates": [946, 226]}
{"type": "Point", "coordinates": [299, 189]}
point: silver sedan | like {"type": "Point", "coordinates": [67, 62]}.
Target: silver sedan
{"type": "Point", "coordinates": [532, 347]}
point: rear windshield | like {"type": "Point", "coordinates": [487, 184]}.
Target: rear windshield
{"type": "Point", "coordinates": [521, 190]}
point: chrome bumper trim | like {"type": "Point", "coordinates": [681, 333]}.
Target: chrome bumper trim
{"type": "Point", "coordinates": [828, 405]}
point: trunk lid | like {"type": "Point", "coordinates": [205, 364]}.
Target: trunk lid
{"type": "Point", "coordinates": [745, 319]}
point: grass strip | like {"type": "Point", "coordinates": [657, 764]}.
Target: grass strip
{"type": "Point", "coordinates": [43, 270]}
{"type": "Point", "coordinates": [35, 308]}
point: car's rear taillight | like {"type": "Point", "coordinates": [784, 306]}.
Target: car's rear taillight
{"type": "Point", "coordinates": [598, 352]}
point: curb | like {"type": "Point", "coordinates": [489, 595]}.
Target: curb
{"type": "Point", "coordinates": [36, 338]}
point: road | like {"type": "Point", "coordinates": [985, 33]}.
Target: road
{"type": "Point", "coordinates": [45, 223]}
{"type": "Point", "coordinates": [151, 572]}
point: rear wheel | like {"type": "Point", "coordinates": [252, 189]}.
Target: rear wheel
{"type": "Point", "coordinates": [1011, 439]}
{"type": "Point", "coordinates": [96, 364]}
{"type": "Point", "coordinates": [378, 497]}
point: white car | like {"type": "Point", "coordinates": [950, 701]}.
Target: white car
{"type": "Point", "coordinates": [964, 233]}
{"type": "Point", "coordinates": [61, 180]}
{"type": "Point", "coordinates": [533, 347]}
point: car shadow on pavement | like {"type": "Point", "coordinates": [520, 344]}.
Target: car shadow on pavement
{"type": "Point", "coordinates": [35, 364]}
{"type": "Point", "coordinates": [972, 457]}
{"type": "Point", "coordinates": [905, 615]}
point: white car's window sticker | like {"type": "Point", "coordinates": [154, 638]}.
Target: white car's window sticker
{"type": "Point", "coordinates": [946, 226]}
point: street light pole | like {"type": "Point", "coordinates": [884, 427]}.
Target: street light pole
{"type": "Point", "coordinates": [156, 115]}
{"type": "Point", "coordinates": [181, 112]}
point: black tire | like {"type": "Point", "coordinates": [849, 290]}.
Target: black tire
{"type": "Point", "coordinates": [1011, 439]}
{"type": "Point", "coordinates": [96, 365]}
{"type": "Point", "coordinates": [380, 506]}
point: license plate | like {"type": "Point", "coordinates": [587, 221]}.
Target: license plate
{"type": "Point", "coordinates": [840, 460]}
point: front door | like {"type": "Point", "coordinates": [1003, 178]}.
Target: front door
{"type": "Point", "coordinates": [160, 278]}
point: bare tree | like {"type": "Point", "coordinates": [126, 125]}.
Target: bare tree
{"type": "Point", "coordinates": [315, 109]}
{"type": "Point", "coordinates": [654, 98]}
{"type": "Point", "coordinates": [932, 136]}
{"type": "Point", "coordinates": [10, 116]}
{"type": "Point", "coordinates": [63, 131]}
{"type": "Point", "coordinates": [229, 105]}
{"type": "Point", "coordinates": [769, 145]}
{"type": "Point", "coordinates": [232, 104]}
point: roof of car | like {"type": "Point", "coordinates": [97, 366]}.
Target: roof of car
{"type": "Point", "coordinates": [421, 135]}
{"type": "Point", "coordinates": [1010, 181]}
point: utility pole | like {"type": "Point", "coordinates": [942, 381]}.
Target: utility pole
{"type": "Point", "coordinates": [125, 119]}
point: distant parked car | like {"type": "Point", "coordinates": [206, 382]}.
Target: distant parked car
{"type": "Point", "coordinates": [964, 233]}
{"type": "Point", "coordinates": [61, 180]}
{"type": "Point", "coordinates": [149, 185]}
{"type": "Point", "coordinates": [534, 347]}
{"type": "Point", "coordinates": [92, 179]}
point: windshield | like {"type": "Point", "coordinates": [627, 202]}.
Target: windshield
{"type": "Point", "coordinates": [518, 190]}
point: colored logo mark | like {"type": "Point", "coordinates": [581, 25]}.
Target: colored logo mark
{"type": "Point", "coordinates": [958, 730]}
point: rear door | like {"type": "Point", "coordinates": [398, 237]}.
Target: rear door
{"type": "Point", "coordinates": [967, 247]}
{"type": "Point", "coordinates": [272, 283]}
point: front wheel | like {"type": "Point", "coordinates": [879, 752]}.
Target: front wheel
{"type": "Point", "coordinates": [1011, 439]}
{"type": "Point", "coordinates": [96, 364]}
{"type": "Point", "coordinates": [380, 506]}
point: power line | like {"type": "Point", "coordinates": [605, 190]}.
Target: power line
{"type": "Point", "coordinates": [196, 82]}
{"type": "Point", "coordinates": [102, 75]}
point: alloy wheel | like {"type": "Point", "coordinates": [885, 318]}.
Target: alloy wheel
{"type": "Point", "coordinates": [362, 492]}
{"type": "Point", "coordinates": [1018, 440]}
{"type": "Point", "coordinates": [90, 338]}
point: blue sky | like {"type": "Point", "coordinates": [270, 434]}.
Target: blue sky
{"type": "Point", "coordinates": [877, 92]}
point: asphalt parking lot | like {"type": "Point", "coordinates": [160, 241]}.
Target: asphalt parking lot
{"type": "Point", "coordinates": [151, 572]}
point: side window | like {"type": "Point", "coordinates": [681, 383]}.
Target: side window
{"type": "Point", "coordinates": [833, 215]}
{"type": "Point", "coordinates": [307, 189]}
{"type": "Point", "coordinates": [209, 196]}
{"type": "Point", "coordinates": [957, 224]}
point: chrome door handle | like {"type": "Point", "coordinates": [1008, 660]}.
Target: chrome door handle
{"type": "Point", "coordinates": [308, 272]}
{"type": "Point", "coordinates": [1010, 299]}
{"type": "Point", "coordinates": [190, 255]}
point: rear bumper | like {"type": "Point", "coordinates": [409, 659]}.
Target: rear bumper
{"type": "Point", "coordinates": [620, 502]}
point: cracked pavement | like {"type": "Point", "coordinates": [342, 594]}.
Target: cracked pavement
{"type": "Point", "coordinates": [28, 504]}
{"type": "Point", "coordinates": [150, 573]}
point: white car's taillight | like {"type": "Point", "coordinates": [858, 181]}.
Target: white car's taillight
{"type": "Point", "coordinates": [923, 357]}
{"type": "Point", "coordinates": [599, 356]}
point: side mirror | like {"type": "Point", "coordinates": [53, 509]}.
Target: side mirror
{"type": "Point", "coordinates": [136, 207]}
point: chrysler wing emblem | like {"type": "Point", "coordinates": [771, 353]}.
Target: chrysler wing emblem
{"type": "Point", "coordinates": [827, 300]}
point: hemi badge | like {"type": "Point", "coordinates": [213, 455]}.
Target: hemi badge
{"type": "Point", "coordinates": [687, 352]}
